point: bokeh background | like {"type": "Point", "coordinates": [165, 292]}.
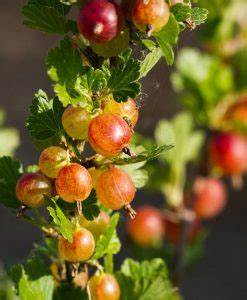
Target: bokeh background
{"type": "Point", "coordinates": [221, 274]}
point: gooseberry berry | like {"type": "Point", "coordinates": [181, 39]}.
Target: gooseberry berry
{"type": "Point", "coordinates": [100, 20]}
{"type": "Point", "coordinates": [81, 249]}
{"type": "Point", "coordinates": [228, 153]}
{"type": "Point", "coordinates": [115, 188]}
{"type": "Point", "coordinates": [52, 160]}
{"type": "Point", "coordinates": [127, 110]}
{"type": "Point", "coordinates": [210, 197]}
{"type": "Point", "coordinates": [73, 183]}
{"type": "Point", "coordinates": [75, 122]}
{"type": "Point", "coordinates": [147, 228]}
{"type": "Point", "coordinates": [104, 287]}
{"type": "Point", "coordinates": [109, 134]}
{"type": "Point", "coordinates": [150, 16]}
{"type": "Point", "coordinates": [31, 188]}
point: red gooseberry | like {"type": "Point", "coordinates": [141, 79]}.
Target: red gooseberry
{"type": "Point", "coordinates": [73, 183]}
{"type": "Point", "coordinates": [228, 153]}
{"type": "Point", "coordinates": [100, 20]}
{"type": "Point", "coordinates": [115, 188]}
{"type": "Point", "coordinates": [81, 249]}
{"type": "Point", "coordinates": [109, 134]}
{"type": "Point", "coordinates": [150, 16]}
{"type": "Point", "coordinates": [210, 197]}
{"type": "Point", "coordinates": [147, 228]}
{"type": "Point", "coordinates": [104, 287]}
{"type": "Point", "coordinates": [31, 188]}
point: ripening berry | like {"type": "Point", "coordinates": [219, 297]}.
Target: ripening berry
{"type": "Point", "coordinates": [52, 160]}
{"type": "Point", "coordinates": [73, 183]}
{"type": "Point", "coordinates": [31, 188]}
{"type": "Point", "coordinates": [228, 153]}
{"type": "Point", "coordinates": [210, 197]}
{"type": "Point", "coordinates": [115, 188]}
{"type": "Point", "coordinates": [147, 229]}
{"type": "Point", "coordinates": [173, 230]}
{"type": "Point", "coordinates": [81, 249]}
{"type": "Point", "coordinates": [100, 20]}
{"type": "Point", "coordinates": [103, 287]}
{"type": "Point", "coordinates": [75, 122]}
{"type": "Point", "coordinates": [127, 110]}
{"type": "Point", "coordinates": [97, 226]}
{"type": "Point", "coordinates": [150, 16]}
{"type": "Point", "coordinates": [109, 134]}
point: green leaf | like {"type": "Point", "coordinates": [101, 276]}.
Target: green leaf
{"type": "Point", "coordinates": [44, 124]}
{"type": "Point", "coordinates": [123, 80]}
{"type": "Point", "coordinates": [33, 280]}
{"type": "Point", "coordinates": [10, 171]}
{"type": "Point", "coordinates": [6, 287]}
{"type": "Point", "coordinates": [145, 155]}
{"type": "Point", "coordinates": [62, 222]}
{"type": "Point", "coordinates": [167, 51]}
{"type": "Point", "coordinates": [179, 132]}
{"type": "Point", "coordinates": [168, 36]}
{"type": "Point", "coordinates": [181, 12]}
{"type": "Point", "coordinates": [198, 15]}
{"type": "Point", "coordinates": [108, 243]}
{"type": "Point", "coordinates": [90, 208]}
{"type": "Point", "coordinates": [46, 15]}
{"type": "Point", "coordinates": [150, 61]}
{"type": "Point", "coordinates": [169, 33]}
{"type": "Point", "coordinates": [74, 83]}
{"type": "Point", "coordinates": [146, 280]}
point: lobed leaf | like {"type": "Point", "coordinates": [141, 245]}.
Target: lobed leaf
{"type": "Point", "coordinates": [167, 37]}
{"type": "Point", "coordinates": [123, 80]}
{"type": "Point", "coordinates": [33, 280]}
{"type": "Point", "coordinates": [10, 171]}
{"type": "Point", "coordinates": [47, 16]}
{"type": "Point", "coordinates": [145, 280]}
{"type": "Point", "coordinates": [44, 124]}
{"type": "Point", "coordinates": [90, 208]}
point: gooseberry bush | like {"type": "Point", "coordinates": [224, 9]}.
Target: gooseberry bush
{"type": "Point", "coordinates": [210, 138]}
{"type": "Point", "coordinates": [89, 166]}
